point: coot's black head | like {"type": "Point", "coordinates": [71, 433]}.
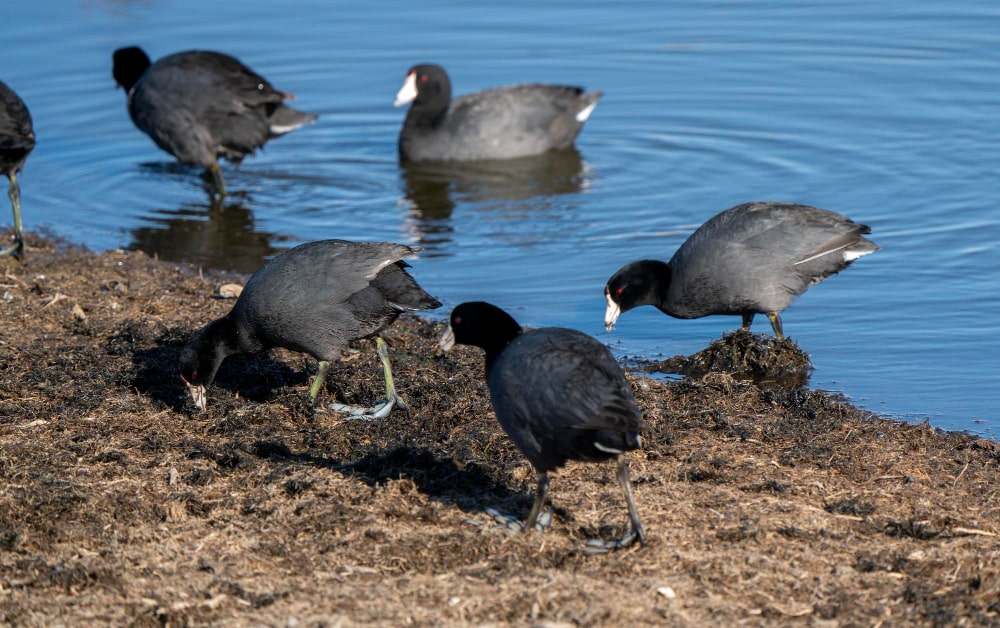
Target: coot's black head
{"type": "Point", "coordinates": [427, 86]}
{"type": "Point", "coordinates": [482, 325]}
{"type": "Point", "coordinates": [199, 362]}
{"type": "Point", "coordinates": [129, 64]}
{"type": "Point", "coordinates": [644, 282]}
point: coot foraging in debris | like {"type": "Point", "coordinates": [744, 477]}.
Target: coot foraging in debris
{"type": "Point", "coordinates": [201, 105]}
{"type": "Point", "coordinates": [558, 393]}
{"type": "Point", "coordinates": [17, 138]}
{"type": "Point", "coordinates": [499, 123]}
{"type": "Point", "coordinates": [749, 259]}
{"type": "Point", "coordinates": [315, 298]}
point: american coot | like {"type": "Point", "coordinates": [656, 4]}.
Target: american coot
{"type": "Point", "coordinates": [201, 105]}
{"type": "Point", "coordinates": [500, 123]}
{"type": "Point", "coordinates": [755, 257]}
{"type": "Point", "coordinates": [558, 393]}
{"type": "Point", "coordinates": [315, 298]}
{"type": "Point", "coordinates": [17, 138]}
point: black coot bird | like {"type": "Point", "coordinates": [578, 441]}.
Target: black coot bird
{"type": "Point", "coordinates": [752, 258]}
{"type": "Point", "coordinates": [500, 123]}
{"type": "Point", "coordinates": [558, 393]}
{"type": "Point", "coordinates": [315, 298]}
{"type": "Point", "coordinates": [201, 105]}
{"type": "Point", "coordinates": [17, 138]}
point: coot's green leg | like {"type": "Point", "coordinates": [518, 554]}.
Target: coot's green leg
{"type": "Point", "coordinates": [392, 399]}
{"type": "Point", "coordinates": [747, 319]}
{"type": "Point", "coordinates": [220, 185]}
{"type": "Point", "coordinates": [324, 366]}
{"type": "Point", "coordinates": [776, 325]}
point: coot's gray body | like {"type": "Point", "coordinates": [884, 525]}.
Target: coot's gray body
{"type": "Point", "coordinates": [315, 298]}
{"type": "Point", "coordinates": [752, 258]}
{"type": "Point", "coordinates": [558, 393]}
{"type": "Point", "coordinates": [200, 105]}
{"type": "Point", "coordinates": [500, 123]}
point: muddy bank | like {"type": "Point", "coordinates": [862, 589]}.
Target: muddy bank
{"type": "Point", "coordinates": [119, 503]}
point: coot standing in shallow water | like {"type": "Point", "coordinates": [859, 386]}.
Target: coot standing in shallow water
{"type": "Point", "coordinates": [558, 393]}
{"type": "Point", "coordinates": [499, 123]}
{"type": "Point", "coordinates": [201, 105]}
{"type": "Point", "coordinates": [752, 258]}
{"type": "Point", "coordinates": [17, 138]}
{"type": "Point", "coordinates": [315, 298]}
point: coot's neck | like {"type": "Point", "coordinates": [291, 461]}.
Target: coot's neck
{"type": "Point", "coordinates": [230, 337]}
{"type": "Point", "coordinates": [501, 331]}
{"type": "Point", "coordinates": [430, 106]}
{"type": "Point", "coordinates": [652, 285]}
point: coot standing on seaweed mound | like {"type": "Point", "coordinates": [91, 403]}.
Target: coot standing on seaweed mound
{"type": "Point", "coordinates": [201, 105]}
{"type": "Point", "coordinates": [752, 258]}
{"type": "Point", "coordinates": [17, 138]}
{"type": "Point", "coordinates": [558, 393]}
{"type": "Point", "coordinates": [499, 123]}
{"type": "Point", "coordinates": [315, 298]}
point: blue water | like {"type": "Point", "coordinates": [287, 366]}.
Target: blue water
{"type": "Point", "coordinates": [886, 112]}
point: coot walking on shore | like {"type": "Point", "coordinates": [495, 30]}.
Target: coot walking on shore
{"type": "Point", "coordinates": [201, 105]}
{"type": "Point", "coordinates": [558, 393]}
{"type": "Point", "coordinates": [749, 259]}
{"type": "Point", "coordinates": [17, 138]}
{"type": "Point", "coordinates": [315, 298]}
{"type": "Point", "coordinates": [499, 123]}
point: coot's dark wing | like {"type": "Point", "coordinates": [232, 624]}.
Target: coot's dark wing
{"type": "Point", "coordinates": [557, 391]}
{"type": "Point", "coordinates": [318, 297]}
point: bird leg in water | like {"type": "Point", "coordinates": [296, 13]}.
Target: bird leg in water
{"type": "Point", "coordinates": [16, 248]}
{"type": "Point", "coordinates": [392, 399]}
{"type": "Point", "coordinates": [776, 325]}
{"type": "Point", "coordinates": [747, 320]}
{"type": "Point", "coordinates": [220, 185]}
{"type": "Point", "coordinates": [597, 546]}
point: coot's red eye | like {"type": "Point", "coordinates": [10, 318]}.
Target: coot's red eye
{"type": "Point", "coordinates": [618, 292]}
{"type": "Point", "coordinates": [424, 78]}
{"type": "Point", "coordinates": [457, 320]}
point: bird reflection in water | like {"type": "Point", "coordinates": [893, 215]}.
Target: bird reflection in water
{"type": "Point", "coordinates": [433, 189]}
{"type": "Point", "coordinates": [215, 234]}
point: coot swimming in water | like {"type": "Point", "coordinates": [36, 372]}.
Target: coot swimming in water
{"type": "Point", "coordinates": [315, 298]}
{"type": "Point", "coordinates": [499, 123]}
{"type": "Point", "coordinates": [201, 105]}
{"type": "Point", "coordinates": [752, 258]}
{"type": "Point", "coordinates": [558, 393]}
{"type": "Point", "coordinates": [17, 138]}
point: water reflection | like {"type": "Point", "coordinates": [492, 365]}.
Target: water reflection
{"type": "Point", "coordinates": [433, 189]}
{"type": "Point", "coordinates": [213, 234]}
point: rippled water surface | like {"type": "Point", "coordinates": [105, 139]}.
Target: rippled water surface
{"type": "Point", "coordinates": [886, 112]}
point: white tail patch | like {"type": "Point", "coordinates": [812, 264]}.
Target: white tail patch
{"type": "Point", "coordinates": [584, 113]}
{"type": "Point", "coordinates": [607, 450]}
{"type": "Point", "coordinates": [286, 128]}
{"type": "Point", "coordinates": [850, 256]}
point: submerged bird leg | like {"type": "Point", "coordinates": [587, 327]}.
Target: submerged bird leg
{"type": "Point", "coordinates": [747, 319]}
{"type": "Point", "coordinates": [324, 366]}
{"type": "Point", "coordinates": [16, 248]}
{"type": "Point", "coordinates": [636, 532]}
{"type": "Point", "coordinates": [776, 325]}
{"type": "Point", "coordinates": [220, 185]}
{"type": "Point", "coordinates": [392, 399]}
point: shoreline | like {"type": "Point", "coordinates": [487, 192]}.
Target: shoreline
{"type": "Point", "coordinates": [120, 504]}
